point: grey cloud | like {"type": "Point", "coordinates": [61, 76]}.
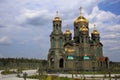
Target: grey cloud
{"type": "Point", "coordinates": [2, 1]}
{"type": "Point", "coordinates": [2, 26]}
{"type": "Point", "coordinates": [37, 21]}
{"type": "Point", "coordinates": [5, 41]}
{"type": "Point", "coordinates": [1, 55]}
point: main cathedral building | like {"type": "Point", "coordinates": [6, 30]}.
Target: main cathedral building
{"type": "Point", "coordinates": [81, 53]}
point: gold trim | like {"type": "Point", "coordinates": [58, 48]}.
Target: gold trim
{"type": "Point", "coordinates": [83, 28]}
{"type": "Point", "coordinates": [70, 50]}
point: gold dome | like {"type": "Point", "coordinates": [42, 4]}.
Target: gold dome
{"type": "Point", "coordinates": [57, 18]}
{"type": "Point", "coordinates": [83, 28]}
{"type": "Point", "coordinates": [95, 31]}
{"type": "Point", "coordinates": [67, 32]}
{"type": "Point", "coordinates": [81, 18]}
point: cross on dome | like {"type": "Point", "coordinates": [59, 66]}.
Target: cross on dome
{"type": "Point", "coordinates": [57, 13]}
{"type": "Point", "coordinates": [80, 11]}
{"type": "Point", "coordinates": [67, 27]}
{"type": "Point", "coordinates": [94, 26]}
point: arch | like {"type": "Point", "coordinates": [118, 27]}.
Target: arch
{"type": "Point", "coordinates": [107, 62]}
{"type": "Point", "coordinates": [51, 62]}
{"type": "Point", "coordinates": [61, 63]}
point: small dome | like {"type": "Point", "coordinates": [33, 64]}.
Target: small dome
{"type": "Point", "coordinates": [95, 31]}
{"type": "Point", "coordinates": [83, 28]}
{"type": "Point", "coordinates": [67, 32]}
{"type": "Point", "coordinates": [57, 18]}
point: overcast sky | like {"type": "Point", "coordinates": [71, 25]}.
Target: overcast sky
{"type": "Point", "coordinates": [25, 25]}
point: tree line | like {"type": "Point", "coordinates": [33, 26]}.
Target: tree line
{"type": "Point", "coordinates": [21, 63]}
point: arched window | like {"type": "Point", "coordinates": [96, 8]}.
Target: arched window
{"type": "Point", "coordinates": [57, 26]}
{"type": "Point", "coordinates": [61, 63]}
{"type": "Point", "coordinates": [52, 62]}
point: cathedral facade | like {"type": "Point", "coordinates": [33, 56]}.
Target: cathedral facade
{"type": "Point", "coordinates": [81, 53]}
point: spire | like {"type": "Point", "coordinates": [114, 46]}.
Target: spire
{"type": "Point", "coordinates": [67, 27]}
{"type": "Point", "coordinates": [95, 30]}
{"type": "Point", "coordinates": [67, 32]}
{"type": "Point", "coordinates": [57, 18]}
{"type": "Point", "coordinates": [80, 11]}
{"type": "Point", "coordinates": [56, 13]}
{"type": "Point", "coordinates": [94, 26]}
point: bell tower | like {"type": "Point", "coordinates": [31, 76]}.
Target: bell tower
{"type": "Point", "coordinates": [57, 23]}
{"type": "Point", "coordinates": [67, 35]}
{"type": "Point", "coordinates": [55, 56]}
{"type": "Point", "coordinates": [95, 36]}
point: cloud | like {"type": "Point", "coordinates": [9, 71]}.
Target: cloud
{"type": "Point", "coordinates": [1, 56]}
{"type": "Point", "coordinates": [2, 26]}
{"type": "Point", "coordinates": [34, 18]}
{"type": "Point", "coordinates": [5, 40]}
{"type": "Point", "coordinates": [111, 2]}
{"type": "Point", "coordinates": [110, 42]}
{"type": "Point", "coordinates": [114, 28]}
{"type": "Point", "coordinates": [110, 36]}
{"type": "Point", "coordinates": [105, 17]}
{"type": "Point", "coordinates": [115, 48]}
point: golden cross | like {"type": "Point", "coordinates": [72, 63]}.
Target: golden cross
{"type": "Point", "coordinates": [67, 27]}
{"type": "Point", "coordinates": [80, 10]}
{"type": "Point", "coordinates": [56, 13]}
{"type": "Point", "coordinates": [94, 26]}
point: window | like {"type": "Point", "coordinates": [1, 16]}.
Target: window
{"type": "Point", "coordinates": [60, 43]}
{"type": "Point", "coordinates": [61, 63]}
{"type": "Point", "coordinates": [76, 27]}
{"type": "Point", "coordinates": [70, 57]}
{"type": "Point", "coordinates": [86, 57]}
{"type": "Point", "coordinates": [56, 25]}
{"type": "Point", "coordinates": [52, 61]}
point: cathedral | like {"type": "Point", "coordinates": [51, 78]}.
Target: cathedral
{"type": "Point", "coordinates": [80, 52]}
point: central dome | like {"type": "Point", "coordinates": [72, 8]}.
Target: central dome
{"type": "Point", "coordinates": [81, 19]}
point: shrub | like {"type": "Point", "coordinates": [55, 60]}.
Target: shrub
{"type": "Point", "coordinates": [5, 72]}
